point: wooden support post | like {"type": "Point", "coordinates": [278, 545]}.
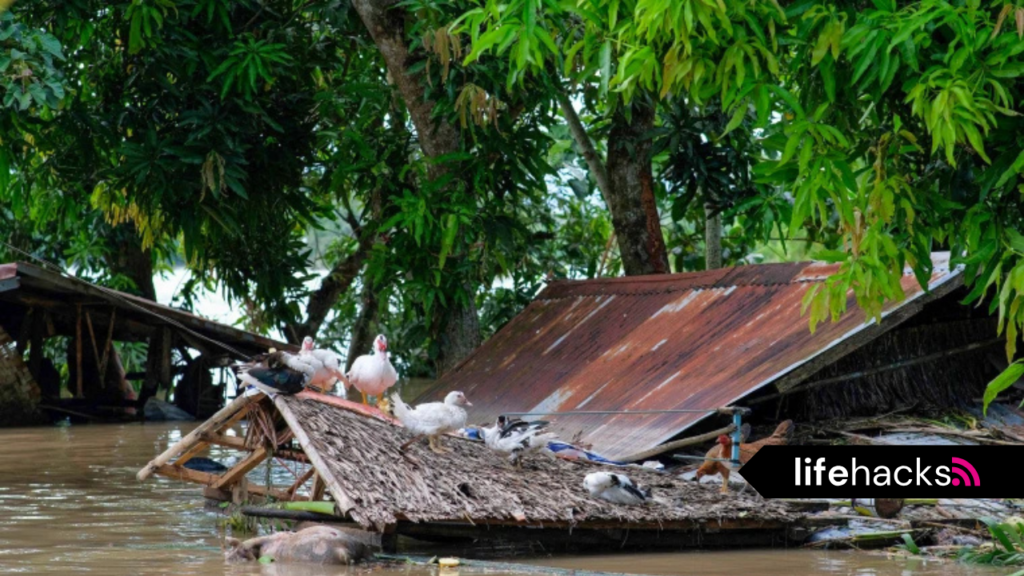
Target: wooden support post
{"type": "Point", "coordinates": [35, 353]}
{"type": "Point", "coordinates": [78, 352]}
{"type": "Point", "coordinates": [109, 342]}
{"type": "Point", "coordinates": [22, 340]}
{"type": "Point", "coordinates": [239, 491]}
{"type": "Point", "coordinates": [342, 501]}
{"type": "Point", "coordinates": [215, 422]}
{"type": "Point", "coordinates": [95, 348]}
{"type": "Point", "coordinates": [318, 489]}
{"type": "Point", "coordinates": [243, 467]}
{"type": "Point", "coordinates": [165, 357]}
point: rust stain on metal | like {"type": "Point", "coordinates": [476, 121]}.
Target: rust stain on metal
{"type": "Point", "coordinates": [683, 341]}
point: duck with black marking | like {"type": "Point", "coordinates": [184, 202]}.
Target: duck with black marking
{"type": "Point", "coordinates": [615, 488]}
{"type": "Point", "coordinates": [516, 438]}
{"type": "Point", "coordinates": [277, 373]}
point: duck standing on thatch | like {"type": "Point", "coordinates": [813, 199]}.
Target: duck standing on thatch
{"type": "Point", "coordinates": [432, 419]}
{"type": "Point", "coordinates": [615, 488]}
{"type": "Point", "coordinates": [516, 438]}
{"type": "Point", "coordinates": [372, 374]}
{"type": "Point", "coordinates": [277, 373]}
{"type": "Point", "coordinates": [327, 364]}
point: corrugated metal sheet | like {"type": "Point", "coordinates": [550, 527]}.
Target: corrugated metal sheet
{"type": "Point", "coordinates": [683, 341]}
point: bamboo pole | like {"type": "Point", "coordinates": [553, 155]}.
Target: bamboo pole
{"type": "Point", "coordinates": [78, 352]}
{"type": "Point", "coordinates": [243, 467]}
{"type": "Point", "coordinates": [215, 422]}
{"type": "Point", "coordinates": [678, 444]}
{"type": "Point", "coordinates": [345, 504]}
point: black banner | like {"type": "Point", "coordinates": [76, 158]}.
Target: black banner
{"type": "Point", "coordinates": [885, 471]}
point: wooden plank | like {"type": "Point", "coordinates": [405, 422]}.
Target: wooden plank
{"type": "Point", "coordinates": [242, 468]}
{"type": "Point", "coordinates": [344, 502]}
{"type": "Point", "coordinates": [195, 436]}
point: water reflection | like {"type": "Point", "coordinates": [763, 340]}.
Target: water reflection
{"type": "Point", "coordinates": [69, 504]}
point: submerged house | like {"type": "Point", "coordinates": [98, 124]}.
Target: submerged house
{"type": "Point", "coordinates": [676, 348]}
{"type": "Point", "coordinates": [47, 313]}
{"type": "Point", "coordinates": [693, 343]}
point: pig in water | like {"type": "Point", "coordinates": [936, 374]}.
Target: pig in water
{"type": "Point", "coordinates": [316, 544]}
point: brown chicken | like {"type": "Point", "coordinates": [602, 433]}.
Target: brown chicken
{"type": "Point", "coordinates": [723, 449]}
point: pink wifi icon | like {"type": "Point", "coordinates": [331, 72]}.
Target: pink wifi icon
{"type": "Point", "coordinates": [960, 472]}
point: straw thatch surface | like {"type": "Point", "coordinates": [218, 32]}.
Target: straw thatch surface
{"type": "Point", "coordinates": [475, 484]}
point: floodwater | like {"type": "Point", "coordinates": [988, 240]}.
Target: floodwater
{"type": "Point", "coordinates": [70, 504]}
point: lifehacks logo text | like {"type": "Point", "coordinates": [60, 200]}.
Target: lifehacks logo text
{"type": "Point", "coordinates": [816, 473]}
{"type": "Point", "coordinates": [884, 471]}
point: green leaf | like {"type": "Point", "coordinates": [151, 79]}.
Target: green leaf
{"type": "Point", "coordinates": [1016, 240]}
{"type": "Point", "coordinates": [1001, 382]}
{"type": "Point", "coordinates": [605, 58]}
{"type": "Point", "coordinates": [736, 120]}
{"type": "Point", "coordinates": [451, 229]}
{"type": "Point", "coordinates": [910, 544]}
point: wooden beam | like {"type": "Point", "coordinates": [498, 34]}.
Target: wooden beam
{"type": "Point", "coordinates": [191, 453]}
{"type": "Point", "coordinates": [197, 477]}
{"type": "Point", "coordinates": [214, 423]}
{"type": "Point", "coordinates": [302, 480]}
{"type": "Point", "coordinates": [243, 467]}
{"type": "Point", "coordinates": [343, 502]}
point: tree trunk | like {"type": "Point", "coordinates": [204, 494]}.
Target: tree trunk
{"type": "Point", "coordinates": [134, 262]}
{"type": "Point", "coordinates": [459, 330]}
{"type": "Point", "coordinates": [712, 238]}
{"type": "Point", "coordinates": [586, 146]}
{"type": "Point", "coordinates": [630, 198]}
{"type": "Point", "coordinates": [337, 282]}
{"type": "Point", "coordinates": [460, 335]}
{"type": "Point", "coordinates": [362, 330]}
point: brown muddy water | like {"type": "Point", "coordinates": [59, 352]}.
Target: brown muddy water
{"type": "Point", "coordinates": [70, 504]}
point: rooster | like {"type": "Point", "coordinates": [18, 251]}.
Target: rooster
{"type": "Point", "coordinates": [723, 450]}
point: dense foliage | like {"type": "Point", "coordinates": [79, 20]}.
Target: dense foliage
{"type": "Point", "coordinates": [221, 134]}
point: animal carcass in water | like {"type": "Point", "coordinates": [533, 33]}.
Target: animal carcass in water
{"type": "Point", "coordinates": [316, 544]}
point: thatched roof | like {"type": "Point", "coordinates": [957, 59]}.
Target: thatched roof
{"type": "Point", "coordinates": [376, 485]}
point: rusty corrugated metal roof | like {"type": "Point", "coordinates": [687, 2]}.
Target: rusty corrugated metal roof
{"type": "Point", "coordinates": [683, 341]}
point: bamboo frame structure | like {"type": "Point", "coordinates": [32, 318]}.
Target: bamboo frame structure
{"type": "Point", "coordinates": [371, 482]}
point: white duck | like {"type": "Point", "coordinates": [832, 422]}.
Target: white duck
{"type": "Point", "coordinates": [277, 373]}
{"type": "Point", "coordinates": [432, 419]}
{"type": "Point", "coordinates": [516, 438]}
{"type": "Point", "coordinates": [327, 364]}
{"type": "Point", "coordinates": [373, 374]}
{"type": "Point", "coordinates": [615, 488]}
